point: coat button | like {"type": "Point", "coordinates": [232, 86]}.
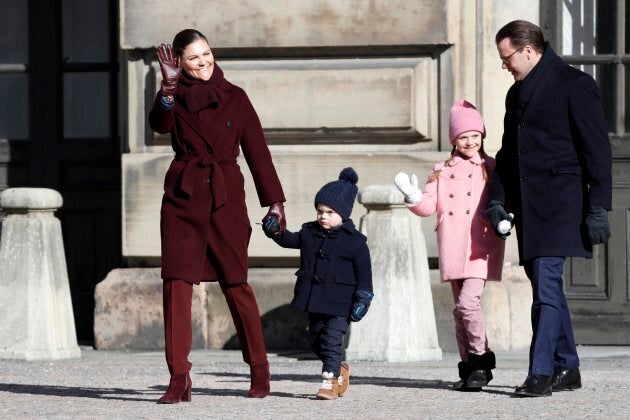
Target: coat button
{"type": "Point", "coordinates": [451, 195]}
{"type": "Point", "coordinates": [468, 193]}
{"type": "Point", "coordinates": [469, 175]}
{"type": "Point", "coordinates": [450, 213]}
{"type": "Point", "coordinates": [523, 178]}
{"type": "Point", "coordinates": [452, 176]}
{"type": "Point", "coordinates": [208, 180]}
{"type": "Point", "coordinates": [522, 124]}
{"type": "Point", "coordinates": [467, 211]}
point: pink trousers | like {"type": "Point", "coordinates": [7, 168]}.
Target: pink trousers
{"type": "Point", "coordinates": [470, 330]}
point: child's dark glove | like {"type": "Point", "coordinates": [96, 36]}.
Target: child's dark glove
{"type": "Point", "coordinates": [362, 298]}
{"type": "Point", "coordinates": [270, 225]}
{"type": "Point", "coordinates": [274, 221]}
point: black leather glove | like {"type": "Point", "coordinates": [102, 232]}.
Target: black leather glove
{"type": "Point", "coordinates": [170, 67]}
{"type": "Point", "coordinates": [597, 225]}
{"type": "Point", "coordinates": [275, 215]}
{"type": "Point", "coordinates": [496, 212]}
{"type": "Point", "coordinates": [363, 299]}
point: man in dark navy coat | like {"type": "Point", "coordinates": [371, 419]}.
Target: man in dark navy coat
{"type": "Point", "coordinates": [553, 172]}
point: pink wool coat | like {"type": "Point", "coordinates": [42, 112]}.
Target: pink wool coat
{"type": "Point", "coordinates": [467, 244]}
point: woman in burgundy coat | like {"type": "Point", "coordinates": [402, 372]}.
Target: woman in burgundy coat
{"type": "Point", "coordinates": [205, 229]}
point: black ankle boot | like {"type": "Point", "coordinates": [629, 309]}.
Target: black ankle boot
{"type": "Point", "coordinates": [464, 372]}
{"type": "Point", "coordinates": [481, 369]}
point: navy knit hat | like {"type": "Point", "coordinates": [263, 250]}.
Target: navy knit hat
{"type": "Point", "coordinates": [340, 195]}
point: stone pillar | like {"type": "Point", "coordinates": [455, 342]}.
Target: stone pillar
{"type": "Point", "coordinates": [400, 325]}
{"type": "Point", "coordinates": [35, 306]}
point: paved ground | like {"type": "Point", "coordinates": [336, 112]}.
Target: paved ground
{"type": "Point", "coordinates": [121, 385]}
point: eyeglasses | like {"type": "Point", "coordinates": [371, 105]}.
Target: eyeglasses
{"type": "Point", "coordinates": [506, 59]}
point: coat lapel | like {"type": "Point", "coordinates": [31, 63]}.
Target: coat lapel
{"type": "Point", "coordinates": [532, 87]}
{"type": "Point", "coordinates": [193, 120]}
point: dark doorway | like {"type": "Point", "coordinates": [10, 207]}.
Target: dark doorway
{"type": "Point", "coordinates": [59, 128]}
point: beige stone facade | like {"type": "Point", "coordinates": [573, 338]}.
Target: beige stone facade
{"type": "Point", "coordinates": [357, 83]}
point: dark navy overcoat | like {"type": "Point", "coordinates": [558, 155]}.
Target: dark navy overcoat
{"type": "Point", "coordinates": [555, 159]}
{"type": "Point", "coordinates": [333, 265]}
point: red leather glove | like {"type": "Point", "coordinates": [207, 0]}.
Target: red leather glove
{"type": "Point", "coordinates": [276, 210]}
{"type": "Point", "coordinates": [171, 70]}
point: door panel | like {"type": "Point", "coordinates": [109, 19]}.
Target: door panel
{"type": "Point", "coordinates": [598, 290]}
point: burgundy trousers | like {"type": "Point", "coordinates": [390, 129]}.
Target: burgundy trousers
{"type": "Point", "coordinates": [177, 300]}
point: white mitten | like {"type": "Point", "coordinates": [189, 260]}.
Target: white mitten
{"type": "Point", "coordinates": [408, 186]}
{"type": "Point", "coordinates": [506, 225]}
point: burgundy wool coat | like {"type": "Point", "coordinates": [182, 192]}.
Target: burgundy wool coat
{"type": "Point", "coordinates": [467, 244]}
{"type": "Point", "coordinates": [204, 225]}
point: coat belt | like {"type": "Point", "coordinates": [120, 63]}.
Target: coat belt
{"type": "Point", "coordinates": [216, 182]}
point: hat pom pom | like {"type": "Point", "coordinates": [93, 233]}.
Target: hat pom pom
{"type": "Point", "coordinates": [349, 175]}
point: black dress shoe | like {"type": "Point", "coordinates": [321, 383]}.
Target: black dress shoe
{"type": "Point", "coordinates": [566, 379]}
{"type": "Point", "coordinates": [534, 386]}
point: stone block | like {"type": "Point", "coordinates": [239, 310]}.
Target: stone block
{"type": "Point", "coordinates": [400, 326]}
{"type": "Point", "coordinates": [280, 23]}
{"type": "Point", "coordinates": [302, 174]}
{"type": "Point", "coordinates": [35, 305]}
{"type": "Point", "coordinates": [284, 327]}
{"type": "Point", "coordinates": [128, 312]}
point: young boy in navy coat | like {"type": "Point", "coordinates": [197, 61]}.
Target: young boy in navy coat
{"type": "Point", "coordinates": [334, 282]}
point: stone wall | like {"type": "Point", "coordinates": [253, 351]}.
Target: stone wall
{"type": "Point", "coordinates": [128, 312]}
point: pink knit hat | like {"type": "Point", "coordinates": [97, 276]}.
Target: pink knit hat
{"type": "Point", "coordinates": [465, 117]}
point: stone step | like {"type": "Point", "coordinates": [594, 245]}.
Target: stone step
{"type": "Point", "coordinates": [128, 312]}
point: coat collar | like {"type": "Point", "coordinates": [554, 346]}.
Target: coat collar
{"type": "Point", "coordinates": [527, 86]}
{"type": "Point", "coordinates": [196, 95]}
{"type": "Point", "coordinates": [476, 160]}
{"type": "Point", "coordinates": [347, 227]}
{"type": "Point", "coordinates": [221, 88]}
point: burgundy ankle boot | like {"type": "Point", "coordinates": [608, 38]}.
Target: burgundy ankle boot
{"type": "Point", "coordinates": [259, 380]}
{"type": "Point", "coordinates": [179, 389]}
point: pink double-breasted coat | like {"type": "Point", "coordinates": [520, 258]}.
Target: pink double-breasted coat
{"type": "Point", "coordinates": [467, 244]}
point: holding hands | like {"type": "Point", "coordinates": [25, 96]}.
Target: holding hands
{"type": "Point", "coordinates": [170, 67]}
{"type": "Point", "coordinates": [501, 220]}
{"type": "Point", "coordinates": [274, 221]}
{"type": "Point", "coordinates": [408, 186]}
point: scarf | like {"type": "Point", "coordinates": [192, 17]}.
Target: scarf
{"type": "Point", "coordinates": [195, 94]}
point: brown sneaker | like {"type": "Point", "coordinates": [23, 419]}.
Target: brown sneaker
{"type": "Point", "coordinates": [344, 379]}
{"type": "Point", "coordinates": [330, 387]}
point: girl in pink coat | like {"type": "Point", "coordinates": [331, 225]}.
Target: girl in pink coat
{"type": "Point", "coordinates": [470, 252]}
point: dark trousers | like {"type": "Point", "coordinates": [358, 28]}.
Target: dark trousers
{"type": "Point", "coordinates": [552, 340]}
{"type": "Point", "coordinates": [177, 295]}
{"type": "Point", "coordinates": [327, 333]}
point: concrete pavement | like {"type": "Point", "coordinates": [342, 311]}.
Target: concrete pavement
{"type": "Point", "coordinates": [125, 385]}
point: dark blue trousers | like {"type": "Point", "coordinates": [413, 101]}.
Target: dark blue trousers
{"type": "Point", "coordinates": [327, 333]}
{"type": "Point", "coordinates": [552, 340]}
